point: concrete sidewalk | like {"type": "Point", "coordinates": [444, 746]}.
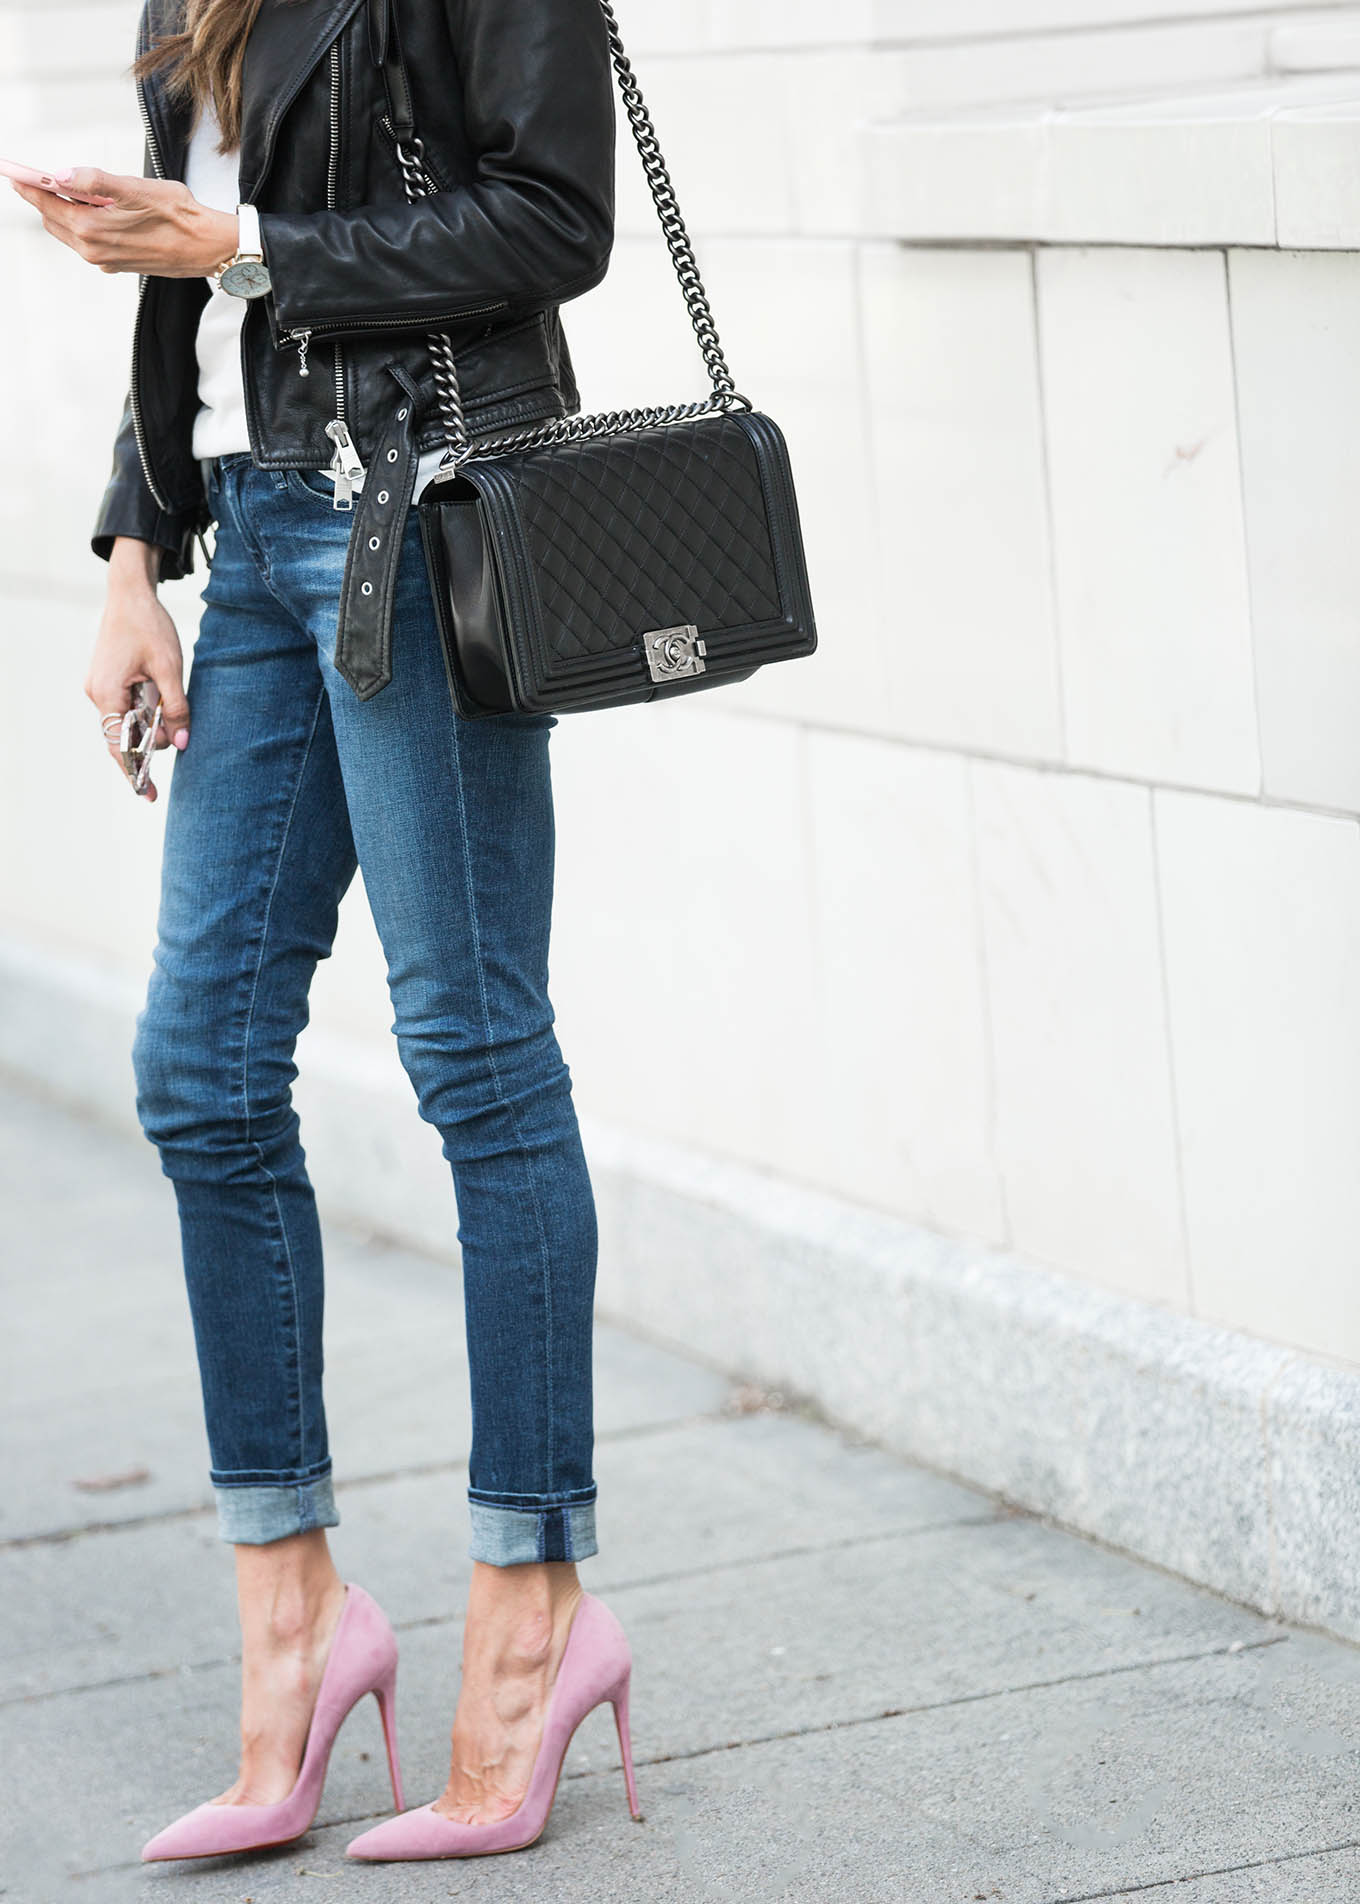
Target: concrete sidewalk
{"type": "Point", "coordinates": [853, 1680]}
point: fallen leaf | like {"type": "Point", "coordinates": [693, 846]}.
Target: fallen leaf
{"type": "Point", "coordinates": [106, 1483]}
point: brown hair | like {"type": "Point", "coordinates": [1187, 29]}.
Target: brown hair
{"type": "Point", "coordinates": [205, 57]}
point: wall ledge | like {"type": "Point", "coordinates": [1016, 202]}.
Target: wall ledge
{"type": "Point", "coordinates": [1270, 164]}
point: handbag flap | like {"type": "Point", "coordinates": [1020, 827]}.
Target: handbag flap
{"type": "Point", "coordinates": [602, 541]}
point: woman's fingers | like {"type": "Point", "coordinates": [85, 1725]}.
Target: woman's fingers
{"type": "Point", "coordinates": [93, 187]}
{"type": "Point", "coordinates": [174, 706]}
{"type": "Point", "coordinates": [152, 226]}
{"type": "Point", "coordinates": [112, 699]}
{"type": "Point", "coordinates": [137, 648]}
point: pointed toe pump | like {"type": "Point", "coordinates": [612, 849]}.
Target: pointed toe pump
{"type": "Point", "coordinates": [596, 1665]}
{"type": "Point", "coordinates": [362, 1660]}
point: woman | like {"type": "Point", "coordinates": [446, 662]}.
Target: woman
{"type": "Point", "coordinates": [289, 288]}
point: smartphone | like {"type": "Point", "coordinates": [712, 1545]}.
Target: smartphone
{"type": "Point", "coordinates": [140, 732]}
{"type": "Point", "coordinates": [30, 175]}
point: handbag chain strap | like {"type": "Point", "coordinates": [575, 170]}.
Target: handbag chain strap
{"type": "Point", "coordinates": [724, 395]}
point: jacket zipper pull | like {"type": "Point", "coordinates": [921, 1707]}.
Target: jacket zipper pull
{"type": "Point", "coordinates": [302, 339]}
{"type": "Point", "coordinates": [346, 467]}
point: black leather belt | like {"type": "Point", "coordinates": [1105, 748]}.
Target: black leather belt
{"type": "Point", "coordinates": [363, 636]}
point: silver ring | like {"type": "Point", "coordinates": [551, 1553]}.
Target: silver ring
{"type": "Point", "coordinates": [117, 721]}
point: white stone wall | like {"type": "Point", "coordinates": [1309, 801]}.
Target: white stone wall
{"type": "Point", "coordinates": [1030, 908]}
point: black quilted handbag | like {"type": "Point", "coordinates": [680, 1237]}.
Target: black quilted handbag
{"type": "Point", "coordinates": [598, 560]}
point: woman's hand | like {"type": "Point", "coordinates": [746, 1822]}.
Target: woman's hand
{"type": "Point", "coordinates": [155, 227]}
{"type": "Point", "coordinates": [137, 642]}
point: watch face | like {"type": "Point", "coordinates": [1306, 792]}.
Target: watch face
{"type": "Point", "coordinates": [247, 279]}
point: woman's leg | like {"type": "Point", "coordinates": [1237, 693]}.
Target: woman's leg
{"type": "Point", "coordinates": [289, 1597]}
{"type": "Point", "coordinates": [514, 1635]}
{"type": "Point", "coordinates": [453, 825]}
{"type": "Point", "coordinates": [258, 853]}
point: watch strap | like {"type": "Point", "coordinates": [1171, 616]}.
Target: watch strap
{"type": "Point", "coordinates": [248, 243]}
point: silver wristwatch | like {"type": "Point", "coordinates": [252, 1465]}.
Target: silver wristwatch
{"type": "Point", "coordinates": [246, 275]}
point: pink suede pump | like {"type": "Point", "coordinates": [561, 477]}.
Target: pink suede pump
{"type": "Point", "coordinates": [362, 1660]}
{"type": "Point", "coordinates": [596, 1666]}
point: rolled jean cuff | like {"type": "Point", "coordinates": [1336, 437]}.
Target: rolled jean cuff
{"type": "Point", "coordinates": [509, 1536]}
{"type": "Point", "coordinates": [251, 1516]}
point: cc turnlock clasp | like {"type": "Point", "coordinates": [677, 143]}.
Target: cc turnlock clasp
{"type": "Point", "coordinates": [674, 652]}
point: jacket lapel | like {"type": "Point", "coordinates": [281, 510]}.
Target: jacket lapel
{"type": "Point", "coordinates": [284, 47]}
{"type": "Point", "coordinates": [169, 122]}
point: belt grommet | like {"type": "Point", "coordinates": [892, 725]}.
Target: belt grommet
{"type": "Point", "coordinates": [375, 542]}
{"type": "Point", "coordinates": [382, 495]}
{"type": "Point", "coordinates": [391, 456]}
{"type": "Point", "coordinates": [367, 589]}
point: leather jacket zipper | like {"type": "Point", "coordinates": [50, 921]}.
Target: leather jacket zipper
{"type": "Point", "coordinates": [138, 432]}
{"type": "Point", "coordinates": [303, 336]}
{"type": "Point", "coordinates": [332, 174]}
{"type": "Point", "coordinates": [427, 178]}
{"type": "Point", "coordinates": [346, 466]}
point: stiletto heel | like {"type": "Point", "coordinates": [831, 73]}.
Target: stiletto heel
{"type": "Point", "coordinates": [620, 1703]}
{"type": "Point", "coordinates": [386, 1696]}
{"type": "Point", "coordinates": [596, 1665]}
{"type": "Point", "coordinates": [362, 1660]}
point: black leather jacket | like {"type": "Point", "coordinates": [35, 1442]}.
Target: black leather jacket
{"type": "Point", "coordinates": [513, 100]}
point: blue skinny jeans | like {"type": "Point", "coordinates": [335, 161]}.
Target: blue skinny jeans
{"type": "Point", "coordinates": [288, 784]}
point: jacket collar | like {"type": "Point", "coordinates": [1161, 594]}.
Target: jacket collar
{"type": "Point", "coordinates": [168, 118]}
{"type": "Point", "coordinates": [276, 68]}
{"type": "Point", "coordinates": [285, 45]}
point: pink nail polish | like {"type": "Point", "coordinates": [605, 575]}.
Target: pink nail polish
{"type": "Point", "coordinates": [182, 739]}
{"type": "Point", "coordinates": [62, 178]}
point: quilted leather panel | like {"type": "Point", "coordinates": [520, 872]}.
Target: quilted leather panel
{"type": "Point", "coordinates": [647, 530]}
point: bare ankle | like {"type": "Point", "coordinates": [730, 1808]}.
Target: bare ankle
{"type": "Point", "coordinates": [292, 1630]}
{"type": "Point", "coordinates": [527, 1646]}
{"type": "Point", "coordinates": [516, 1615]}
{"type": "Point", "coordinates": [288, 1592]}
{"type": "Point", "coordinates": [530, 1588]}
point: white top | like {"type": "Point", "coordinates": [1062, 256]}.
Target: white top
{"type": "Point", "coordinates": [220, 426]}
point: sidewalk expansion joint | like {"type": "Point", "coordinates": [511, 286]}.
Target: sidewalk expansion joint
{"type": "Point", "coordinates": [60, 1536]}
{"type": "Point", "coordinates": [417, 1471]}
{"type": "Point", "coordinates": [1086, 1897]}
{"type": "Point", "coordinates": [875, 1718]}
{"type": "Point", "coordinates": [781, 1554]}
{"type": "Point", "coordinates": [1216, 1871]}
{"type": "Point", "coordinates": [1234, 1649]}
{"type": "Point", "coordinates": [427, 1620]}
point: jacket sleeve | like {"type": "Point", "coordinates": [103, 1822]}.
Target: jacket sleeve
{"type": "Point", "coordinates": [533, 227]}
{"type": "Point", "coordinates": [129, 509]}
